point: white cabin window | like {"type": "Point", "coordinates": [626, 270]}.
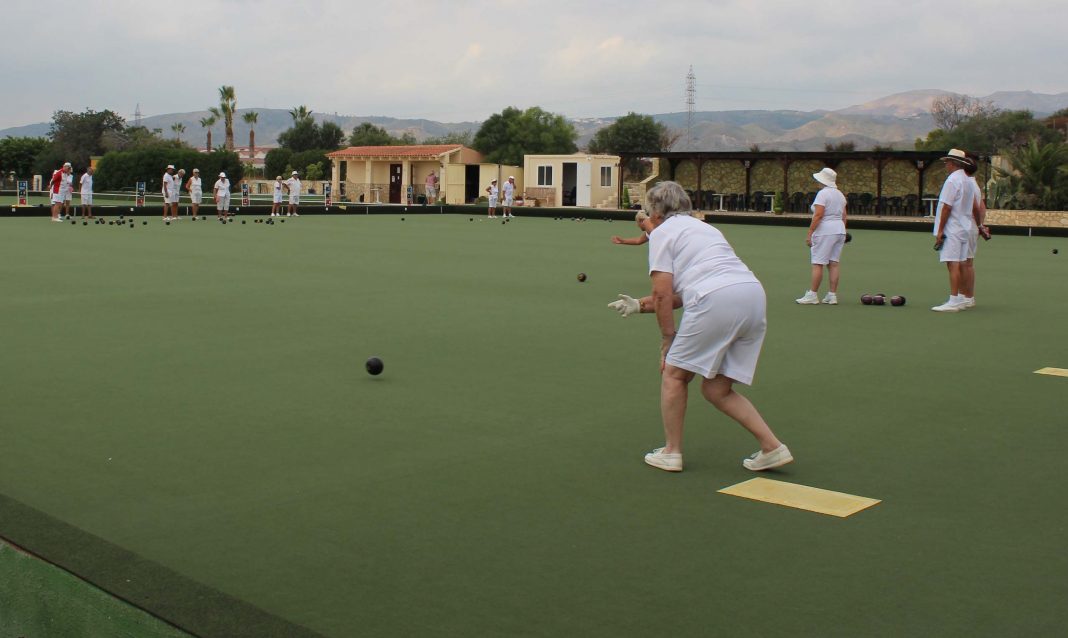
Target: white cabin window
{"type": "Point", "coordinates": [545, 176]}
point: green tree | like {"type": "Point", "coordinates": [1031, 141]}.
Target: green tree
{"type": "Point", "coordinates": [227, 107]}
{"type": "Point", "coordinates": [276, 161]}
{"type": "Point", "coordinates": [330, 136]}
{"type": "Point", "coordinates": [990, 134]}
{"type": "Point", "coordinates": [840, 147]}
{"type": "Point", "coordinates": [207, 123]}
{"type": "Point", "coordinates": [18, 154]}
{"type": "Point", "coordinates": [1039, 176]}
{"type": "Point", "coordinates": [300, 114]}
{"type": "Point", "coordinates": [456, 137]}
{"type": "Point", "coordinates": [314, 172]}
{"type": "Point", "coordinates": [77, 136]}
{"type": "Point", "coordinates": [507, 136]}
{"type": "Point", "coordinates": [178, 128]}
{"type": "Point", "coordinates": [367, 134]}
{"type": "Point", "coordinates": [632, 133]}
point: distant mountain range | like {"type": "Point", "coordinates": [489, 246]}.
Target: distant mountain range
{"type": "Point", "coordinates": [896, 121]}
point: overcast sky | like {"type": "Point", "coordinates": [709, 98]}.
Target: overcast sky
{"type": "Point", "coordinates": [465, 60]}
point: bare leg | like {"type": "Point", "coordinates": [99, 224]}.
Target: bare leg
{"type": "Point", "coordinates": [673, 392]}
{"type": "Point", "coordinates": [817, 277]}
{"type": "Point", "coordinates": [954, 268]}
{"type": "Point", "coordinates": [832, 275]}
{"type": "Point", "coordinates": [720, 392]}
{"type": "Point", "coordinates": [967, 278]}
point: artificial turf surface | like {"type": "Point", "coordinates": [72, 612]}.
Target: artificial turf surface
{"type": "Point", "coordinates": [190, 400]}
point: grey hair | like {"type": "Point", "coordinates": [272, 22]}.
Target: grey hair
{"type": "Point", "coordinates": [641, 216]}
{"type": "Point", "coordinates": [668, 199]}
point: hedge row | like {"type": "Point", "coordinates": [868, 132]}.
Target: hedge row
{"type": "Point", "coordinates": [123, 169]}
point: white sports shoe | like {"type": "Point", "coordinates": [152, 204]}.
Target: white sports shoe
{"type": "Point", "coordinates": [969, 302]}
{"type": "Point", "coordinates": [830, 299]}
{"type": "Point", "coordinates": [810, 298]}
{"type": "Point", "coordinates": [776, 458]}
{"type": "Point", "coordinates": [952, 305]}
{"type": "Point", "coordinates": [669, 462]}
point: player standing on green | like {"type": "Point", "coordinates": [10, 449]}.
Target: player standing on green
{"type": "Point", "coordinates": [955, 228]}
{"type": "Point", "coordinates": [826, 236]}
{"type": "Point", "coordinates": [719, 335]}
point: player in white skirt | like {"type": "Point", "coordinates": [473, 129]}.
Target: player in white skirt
{"type": "Point", "coordinates": [492, 191]}
{"type": "Point", "coordinates": [179, 178]}
{"type": "Point", "coordinates": [86, 193]}
{"type": "Point", "coordinates": [826, 236]}
{"type": "Point", "coordinates": [196, 191]}
{"type": "Point", "coordinates": [168, 192]}
{"type": "Point", "coordinates": [222, 196]}
{"type": "Point", "coordinates": [276, 198]}
{"type": "Point", "coordinates": [719, 335]}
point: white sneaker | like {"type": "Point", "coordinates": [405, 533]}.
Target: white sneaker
{"type": "Point", "coordinates": [952, 305]}
{"type": "Point", "coordinates": [669, 462]}
{"type": "Point", "coordinates": [830, 299]}
{"type": "Point", "coordinates": [776, 458]}
{"type": "Point", "coordinates": [810, 298]}
{"type": "Point", "coordinates": [969, 302]}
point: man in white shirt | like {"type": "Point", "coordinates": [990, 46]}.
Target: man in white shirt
{"type": "Point", "coordinates": [509, 196]}
{"type": "Point", "coordinates": [87, 193]}
{"type": "Point", "coordinates": [55, 190]}
{"type": "Point", "coordinates": [168, 193]}
{"type": "Point", "coordinates": [431, 188]}
{"type": "Point", "coordinates": [954, 227]}
{"type": "Point", "coordinates": [222, 196]}
{"type": "Point", "coordinates": [276, 198]}
{"type": "Point", "coordinates": [179, 179]}
{"type": "Point", "coordinates": [826, 236]}
{"type": "Point", "coordinates": [293, 185]}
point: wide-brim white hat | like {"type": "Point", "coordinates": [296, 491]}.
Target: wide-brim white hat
{"type": "Point", "coordinates": [222, 174]}
{"type": "Point", "coordinates": [959, 156]}
{"type": "Point", "coordinates": [827, 177]}
{"type": "Point", "coordinates": [294, 173]}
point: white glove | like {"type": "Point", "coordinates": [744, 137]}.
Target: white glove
{"type": "Point", "coordinates": [626, 306]}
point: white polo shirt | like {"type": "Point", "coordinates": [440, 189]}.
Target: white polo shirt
{"type": "Point", "coordinates": [294, 185]}
{"type": "Point", "coordinates": [168, 186]}
{"type": "Point", "coordinates": [509, 189]}
{"type": "Point", "coordinates": [834, 205]}
{"type": "Point", "coordinates": [697, 255]}
{"type": "Point", "coordinates": [87, 184]}
{"type": "Point", "coordinates": [222, 187]}
{"type": "Point", "coordinates": [957, 192]}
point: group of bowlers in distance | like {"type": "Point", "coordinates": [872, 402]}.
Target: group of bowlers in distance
{"type": "Point", "coordinates": [172, 185]}
{"type": "Point", "coordinates": [724, 319]}
{"type": "Point", "coordinates": [61, 189]}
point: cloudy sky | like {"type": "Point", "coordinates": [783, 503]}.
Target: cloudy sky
{"type": "Point", "coordinates": [465, 60]}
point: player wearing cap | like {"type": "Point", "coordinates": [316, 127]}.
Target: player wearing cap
{"type": "Point", "coordinates": [509, 196]}
{"type": "Point", "coordinates": [492, 191]}
{"type": "Point", "coordinates": [954, 227]}
{"type": "Point", "coordinates": [86, 193]}
{"type": "Point", "coordinates": [222, 196]}
{"type": "Point", "coordinates": [168, 193]}
{"type": "Point", "coordinates": [826, 236]}
{"type": "Point", "coordinates": [196, 191]}
{"type": "Point", "coordinates": [56, 188]}
{"type": "Point", "coordinates": [276, 198]}
{"type": "Point", "coordinates": [293, 186]}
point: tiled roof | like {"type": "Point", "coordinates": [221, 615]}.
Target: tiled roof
{"type": "Point", "coordinates": [431, 151]}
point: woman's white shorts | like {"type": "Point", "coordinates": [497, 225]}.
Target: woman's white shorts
{"type": "Point", "coordinates": [722, 333]}
{"type": "Point", "coordinates": [827, 248]}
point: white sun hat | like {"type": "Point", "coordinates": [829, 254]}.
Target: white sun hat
{"type": "Point", "coordinates": [827, 177]}
{"type": "Point", "coordinates": [222, 174]}
{"type": "Point", "coordinates": [959, 156]}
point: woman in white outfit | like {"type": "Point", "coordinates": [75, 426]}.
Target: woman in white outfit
{"type": "Point", "coordinates": [826, 236]}
{"type": "Point", "coordinates": [720, 332]}
{"type": "Point", "coordinates": [222, 196]}
{"type": "Point", "coordinates": [196, 190]}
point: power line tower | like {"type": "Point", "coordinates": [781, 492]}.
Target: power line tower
{"type": "Point", "coordinates": [691, 91]}
{"type": "Point", "coordinates": [137, 115]}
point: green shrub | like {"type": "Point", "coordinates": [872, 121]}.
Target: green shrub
{"type": "Point", "coordinates": [626, 197]}
{"type": "Point", "coordinates": [123, 169]}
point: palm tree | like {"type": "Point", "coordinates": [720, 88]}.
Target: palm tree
{"type": "Point", "coordinates": [1038, 175]}
{"type": "Point", "coordinates": [251, 118]}
{"type": "Point", "coordinates": [208, 122]}
{"type": "Point", "coordinates": [178, 129]}
{"type": "Point", "coordinates": [227, 106]}
{"type": "Point", "coordinates": [300, 113]}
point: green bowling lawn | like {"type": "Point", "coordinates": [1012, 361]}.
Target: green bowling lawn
{"type": "Point", "coordinates": [187, 424]}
